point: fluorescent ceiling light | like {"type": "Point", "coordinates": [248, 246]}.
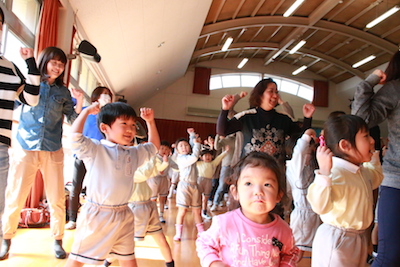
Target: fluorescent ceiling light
{"type": "Point", "coordinates": [383, 16]}
{"type": "Point", "coordinates": [362, 62]}
{"type": "Point", "coordinates": [227, 44]}
{"type": "Point", "coordinates": [297, 47]}
{"type": "Point", "coordinates": [293, 8]}
{"type": "Point", "coordinates": [241, 64]}
{"type": "Point", "coordinates": [299, 70]}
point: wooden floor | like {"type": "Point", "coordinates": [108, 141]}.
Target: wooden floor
{"type": "Point", "coordinates": [33, 247]}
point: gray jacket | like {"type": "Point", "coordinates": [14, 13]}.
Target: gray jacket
{"type": "Point", "coordinates": [375, 108]}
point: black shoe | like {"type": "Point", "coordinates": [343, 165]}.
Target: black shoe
{"type": "Point", "coordinates": [106, 263]}
{"type": "Point", "coordinates": [5, 249]}
{"type": "Point", "coordinates": [58, 249]}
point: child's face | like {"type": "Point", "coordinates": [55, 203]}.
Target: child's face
{"type": "Point", "coordinates": [257, 191]}
{"type": "Point", "coordinates": [364, 148]}
{"type": "Point", "coordinates": [164, 150]}
{"type": "Point", "coordinates": [122, 131]}
{"type": "Point", "coordinates": [55, 68]}
{"type": "Point", "coordinates": [183, 148]}
{"type": "Point", "coordinates": [206, 157]}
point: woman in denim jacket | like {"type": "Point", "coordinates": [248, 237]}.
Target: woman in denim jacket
{"type": "Point", "coordinates": [39, 136]}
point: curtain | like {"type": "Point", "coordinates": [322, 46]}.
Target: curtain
{"type": "Point", "coordinates": [47, 33]}
{"type": "Point", "coordinates": [171, 130]}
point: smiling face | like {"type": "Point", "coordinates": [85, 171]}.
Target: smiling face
{"type": "Point", "coordinates": [364, 148]}
{"type": "Point", "coordinates": [269, 98]}
{"type": "Point", "coordinates": [257, 191]}
{"type": "Point", "coordinates": [54, 69]}
{"type": "Point", "coordinates": [122, 130]}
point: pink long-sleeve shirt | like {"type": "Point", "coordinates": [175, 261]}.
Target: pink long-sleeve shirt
{"type": "Point", "coordinates": [238, 241]}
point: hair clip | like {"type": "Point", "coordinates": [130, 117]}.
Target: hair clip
{"type": "Point", "coordinates": [322, 140]}
{"type": "Point", "coordinates": [277, 243]}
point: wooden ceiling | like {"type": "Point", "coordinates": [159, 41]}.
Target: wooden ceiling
{"type": "Point", "coordinates": [334, 32]}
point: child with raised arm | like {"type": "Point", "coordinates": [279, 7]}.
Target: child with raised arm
{"type": "Point", "coordinates": [159, 181]}
{"type": "Point", "coordinates": [106, 225]}
{"type": "Point", "coordinates": [250, 235]}
{"type": "Point", "coordinates": [145, 210]}
{"type": "Point", "coordinates": [187, 192]}
{"type": "Point", "coordinates": [206, 169]}
{"type": "Point", "coordinates": [300, 174]}
{"type": "Point", "coordinates": [342, 192]}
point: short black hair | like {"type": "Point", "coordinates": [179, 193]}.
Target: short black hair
{"type": "Point", "coordinates": [206, 151]}
{"type": "Point", "coordinates": [112, 111]}
{"type": "Point", "coordinates": [165, 143]}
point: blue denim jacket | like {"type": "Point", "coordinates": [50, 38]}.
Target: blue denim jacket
{"type": "Point", "coordinates": [40, 127]}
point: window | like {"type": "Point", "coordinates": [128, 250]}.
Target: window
{"type": "Point", "coordinates": [13, 45]}
{"type": "Point", "coordinates": [233, 80]}
{"type": "Point", "coordinates": [27, 11]}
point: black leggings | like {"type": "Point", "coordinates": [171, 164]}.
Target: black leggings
{"type": "Point", "coordinates": [77, 180]}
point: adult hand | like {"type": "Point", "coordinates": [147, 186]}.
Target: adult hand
{"type": "Point", "coordinates": [77, 93]}
{"type": "Point", "coordinates": [26, 52]}
{"type": "Point", "coordinates": [381, 74]}
{"type": "Point", "coordinates": [308, 110]}
{"type": "Point", "coordinates": [227, 102]}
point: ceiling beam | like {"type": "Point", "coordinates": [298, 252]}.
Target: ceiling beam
{"type": "Point", "coordinates": [274, 47]}
{"type": "Point", "coordinates": [329, 26]}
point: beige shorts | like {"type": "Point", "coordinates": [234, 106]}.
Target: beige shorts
{"type": "Point", "coordinates": [147, 220]}
{"type": "Point", "coordinates": [188, 195]}
{"type": "Point", "coordinates": [103, 232]}
{"type": "Point", "coordinates": [159, 185]}
{"type": "Point", "coordinates": [205, 185]}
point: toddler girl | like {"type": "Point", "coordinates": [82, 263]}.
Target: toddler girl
{"type": "Point", "coordinates": [342, 192]}
{"type": "Point", "coordinates": [251, 235]}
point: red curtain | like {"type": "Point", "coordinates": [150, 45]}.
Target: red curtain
{"type": "Point", "coordinates": [171, 130]}
{"type": "Point", "coordinates": [47, 35]}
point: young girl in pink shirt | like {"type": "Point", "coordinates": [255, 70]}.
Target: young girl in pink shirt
{"type": "Point", "coordinates": [250, 235]}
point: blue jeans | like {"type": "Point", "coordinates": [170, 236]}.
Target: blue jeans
{"type": "Point", "coordinates": [222, 187]}
{"type": "Point", "coordinates": [388, 228]}
{"type": "Point", "coordinates": [4, 165]}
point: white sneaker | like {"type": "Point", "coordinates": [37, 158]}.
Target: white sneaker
{"type": "Point", "coordinates": [206, 216]}
{"type": "Point", "coordinates": [165, 206]}
{"type": "Point", "coordinates": [209, 203]}
{"type": "Point", "coordinates": [71, 225]}
{"type": "Point", "coordinates": [162, 220]}
{"type": "Point", "coordinates": [214, 207]}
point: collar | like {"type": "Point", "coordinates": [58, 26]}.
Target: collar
{"type": "Point", "coordinates": [112, 144]}
{"type": "Point", "coordinates": [339, 162]}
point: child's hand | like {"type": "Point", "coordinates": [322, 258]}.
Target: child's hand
{"type": "Point", "coordinates": [197, 139]}
{"type": "Point", "coordinates": [26, 53]}
{"type": "Point", "coordinates": [190, 130]}
{"type": "Point", "coordinates": [94, 108]}
{"type": "Point", "coordinates": [311, 132]}
{"type": "Point", "coordinates": [165, 158]}
{"type": "Point", "coordinates": [243, 94]}
{"type": "Point", "coordinates": [227, 102]}
{"type": "Point", "coordinates": [147, 114]}
{"type": "Point", "coordinates": [227, 148]}
{"type": "Point", "coordinates": [308, 110]}
{"type": "Point", "coordinates": [324, 158]}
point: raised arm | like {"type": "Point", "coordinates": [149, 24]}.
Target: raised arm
{"type": "Point", "coordinates": [79, 123]}
{"type": "Point", "coordinates": [148, 115]}
{"type": "Point", "coordinates": [30, 90]}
